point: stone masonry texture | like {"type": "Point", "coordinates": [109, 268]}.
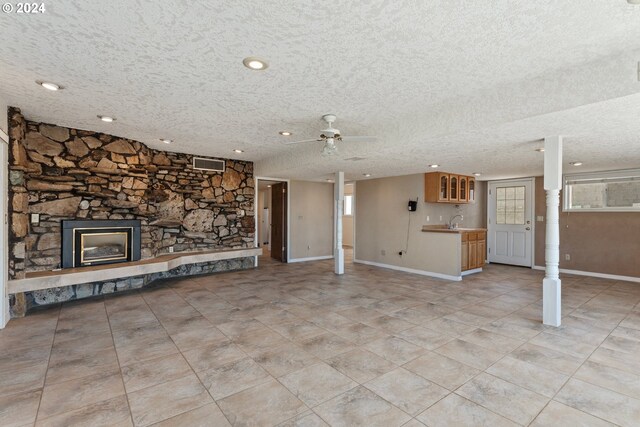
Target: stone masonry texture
{"type": "Point", "coordinates": [63, 173]}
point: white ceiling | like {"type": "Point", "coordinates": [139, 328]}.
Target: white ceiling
{"type": "Point", "coordinates": [468, 85]}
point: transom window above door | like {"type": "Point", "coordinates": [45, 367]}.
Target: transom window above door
{"type": "Point", "coordinates": [510, 204]}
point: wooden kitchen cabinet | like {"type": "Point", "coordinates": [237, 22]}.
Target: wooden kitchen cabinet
{"type": "Point", "coordinates": [473, 253]}
{"type": "Point", "coordinates": [471, 189]}
{"type": "Point", "coordinates": [443, 187]}
{"type": "Point", "coordinates": [463, 189]}
{"type": "Point", "coordinates": [436, 187]}
{"type": "Point", "coordinates": [453, 188]}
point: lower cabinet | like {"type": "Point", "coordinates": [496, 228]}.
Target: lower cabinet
{"type": "Point", "coordinates": [474, 246]}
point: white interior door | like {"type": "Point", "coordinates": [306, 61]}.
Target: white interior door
{"type": "Point", "coordinates": [510, 222]}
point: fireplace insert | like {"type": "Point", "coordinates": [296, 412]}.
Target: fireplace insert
{"type": "Point", "coordinates": [96, 242]}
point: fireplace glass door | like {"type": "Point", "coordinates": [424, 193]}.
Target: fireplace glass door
{"type": "Point", "coordinates": [102, 246]}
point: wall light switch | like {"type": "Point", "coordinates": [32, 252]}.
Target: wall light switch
{"type": "Point", "coordinates": [540, 218]}
{"type": "Point", "coordinates": [35, 218]}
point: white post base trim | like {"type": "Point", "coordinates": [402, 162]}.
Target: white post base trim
{"type": "Point", "coordinates": [551, 307]}
{"type": "Point", "coordinates": [311, 258]}
{"type": "Point", "coordinates": [339, 264]}
{"type": "Point", "coordinates": [411, 270]}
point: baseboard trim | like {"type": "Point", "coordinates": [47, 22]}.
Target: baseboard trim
{"type": "Point", "coordinates": [472, 271]}
{"type": "Point", "coordinates": [312, 258]}
{"type": "Point", "coordinates": [411, 270]}
{"type": "Point", "coordinates": [593, 274]}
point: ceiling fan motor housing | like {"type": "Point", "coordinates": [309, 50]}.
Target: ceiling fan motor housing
{"type": "Point", "coordinates": [330, 133]}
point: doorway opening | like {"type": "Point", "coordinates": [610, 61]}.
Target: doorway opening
{"type": "Point", "coordinates": [510, 222]}
{"type": "Point", "coordinates": [348, 221]}
{"type": "Point", "coordinates": [272, 219]}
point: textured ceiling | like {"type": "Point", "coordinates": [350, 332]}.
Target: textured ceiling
{"type": "Point", "coordinates": [468, 85]}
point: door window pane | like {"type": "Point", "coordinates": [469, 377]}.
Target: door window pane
{"type": "Point", "coordinates": [510, 205]}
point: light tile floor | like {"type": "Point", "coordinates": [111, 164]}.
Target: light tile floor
{"type": "Point", "coordinates": [295, 345]}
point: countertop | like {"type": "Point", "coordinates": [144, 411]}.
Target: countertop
{"type": "Point", "coordinates": [444, 229]}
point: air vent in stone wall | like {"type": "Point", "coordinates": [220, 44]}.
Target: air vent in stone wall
{"type": "Point", "coordinates": [208, 164]}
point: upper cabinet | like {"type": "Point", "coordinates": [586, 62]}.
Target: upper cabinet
{"type": "Point", "coordinates": [471, 192]}
{"type": "Point", "coordinates": [463, 192]}
{"type": "Point", "coordinates": [453, 188]}
{"type": "Point", "coordinates": [436, 186]}
{"type": "Point", "coordinates": [443, 187]}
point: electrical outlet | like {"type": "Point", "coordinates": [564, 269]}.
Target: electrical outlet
{"type": "Point", "coordinates": [461, 217]}
{"type": "Point", "coordinates": [567, 257]}
{"type": "Point", "coordinates": [170, 249]}
{"type": "Point", "coordinates": [427, 218]}
{"type": "Point", "coordinates": [440, 217]}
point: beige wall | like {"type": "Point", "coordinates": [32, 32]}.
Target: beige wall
{"type": "Point", "coordinates": [311, 219]}
{"type": "Point", "coordinates": [598, 242]}
{"type": "Point", "coordinates": [382, 220]}
{"type": "Point", "coordinates": [347, 221]}
{"type": "Point", "coordinates": [4, 116]}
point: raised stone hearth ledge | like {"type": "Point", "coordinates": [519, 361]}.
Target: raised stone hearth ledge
{"type": "Point", "coordinates": [100, 273]}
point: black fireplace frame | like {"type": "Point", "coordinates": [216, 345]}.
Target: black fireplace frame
{"type": "Point", "coordinates": [71, 230]}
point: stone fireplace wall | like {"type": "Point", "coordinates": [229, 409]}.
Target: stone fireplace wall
{"type": "Point", "coordinates": [63, 173]}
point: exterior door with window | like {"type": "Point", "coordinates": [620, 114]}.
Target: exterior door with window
{"type": "Point", "coordinates": [510, 229]}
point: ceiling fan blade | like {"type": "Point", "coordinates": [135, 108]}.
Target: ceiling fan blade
{"type": "Point", "coordinates": [359, 139]}
{"type": "Point", "coordinates": [304, 140]}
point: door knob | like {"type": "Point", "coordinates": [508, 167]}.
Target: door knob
{"type": "Point", "coordinates": [528, 228]}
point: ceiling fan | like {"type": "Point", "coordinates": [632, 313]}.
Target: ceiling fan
{"type": "Point", "coordinates": [331, 135]}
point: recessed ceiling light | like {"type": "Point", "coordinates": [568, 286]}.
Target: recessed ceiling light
{"type": "Point", "coordinates": [254, 63]}
{"type": "Point", "coordinates": [238, 151]}
{"type": "Point", "coordinates": [106, 119]}
{"type": "Point", "coordinates": [366, 174]}
{"type": "Point", "coordinates": [166, 141]}
{"type": "Point", "coordinates": [576, 163]}
{"type": "Point", "coordinates": [477, 174]}
{"type": "Point", "coordinates": [285, 133]}
{"type": "Point", "coordinates": [50, 86]}
{"type": "Point", "coordinates": [540, 150]}
{"type": "Point", "coordinates": [434, 166]}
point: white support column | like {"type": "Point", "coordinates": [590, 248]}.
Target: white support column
{"type": "Point", "coordinates": [551, 285]}
{"type": "Point", "coordinates": [338, 252]}
{"type": "Point", "coordinates": [4, 232]}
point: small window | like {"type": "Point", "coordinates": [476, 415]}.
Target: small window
{"type": "Point", "coordinates": [616, 191]}
{"type": "Point", "coordinates": [348, 204]}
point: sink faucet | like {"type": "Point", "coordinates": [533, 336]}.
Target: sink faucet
{"type": "Point", "coordinates": [451, 225]}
